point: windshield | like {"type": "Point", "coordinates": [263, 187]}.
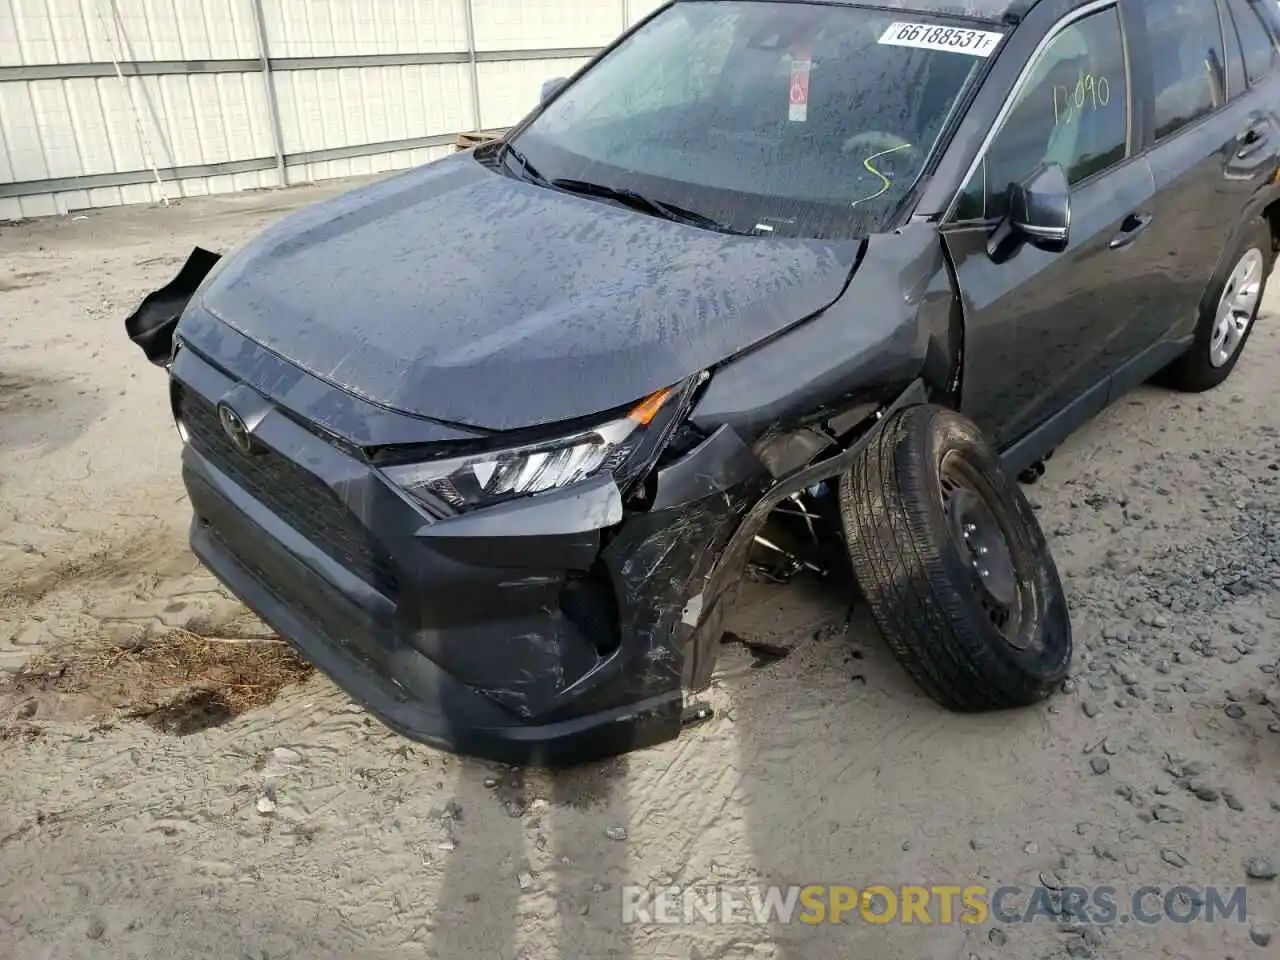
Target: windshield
{"type": "Point", "coordinates": [783, 119]}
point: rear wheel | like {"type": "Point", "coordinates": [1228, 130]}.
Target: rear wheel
{"type": "Point", "coordinates": [954, 565]}
{"type": "Point", "coordinates": [1227, 314]}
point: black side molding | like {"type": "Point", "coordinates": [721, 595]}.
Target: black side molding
{"type": "Point", "coordinates": [151, 326]}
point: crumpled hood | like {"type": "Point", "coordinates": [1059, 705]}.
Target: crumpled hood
{"type": "Point", "coordinates": [458, 293]}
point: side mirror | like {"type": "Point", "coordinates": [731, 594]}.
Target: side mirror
{"type": "Point", "coordinates": [550, 87]}
{"type": "Point", "coordinates": [1040, 208]}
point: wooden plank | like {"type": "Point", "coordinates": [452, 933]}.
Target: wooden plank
{"type": "Point", "coordinates": [476, 137]}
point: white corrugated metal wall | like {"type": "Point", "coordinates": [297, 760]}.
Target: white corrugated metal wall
{"type": "Point", "coordinates": [99, 99]}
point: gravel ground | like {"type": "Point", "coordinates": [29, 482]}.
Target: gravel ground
{"type": "Point", "coordinates": [289, 824]}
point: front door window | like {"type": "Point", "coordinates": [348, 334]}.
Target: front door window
{"type": "Point", "coordinates": [1072, 110]}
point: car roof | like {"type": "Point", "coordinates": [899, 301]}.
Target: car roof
{"type": "Point", "coordinates": [996, 11]}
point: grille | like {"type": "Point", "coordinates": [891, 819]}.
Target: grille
{"type": "Point", "coordinates": [295, 495]}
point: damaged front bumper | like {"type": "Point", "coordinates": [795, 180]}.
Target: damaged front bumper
{"type": "Point", "coordinates": [539, 631]}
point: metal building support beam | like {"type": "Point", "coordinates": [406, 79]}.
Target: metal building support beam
{"type": "Point", "coordinates": [160, 68]}
{"type": "Point", "coordinates": [269, 88]}
{"type": "Point", "coordinates": [472, 55]}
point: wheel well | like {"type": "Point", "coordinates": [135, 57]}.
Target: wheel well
{"type": "Point", "coordinates": [1272, 213]}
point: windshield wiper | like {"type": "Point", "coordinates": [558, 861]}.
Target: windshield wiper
{"type": "Point", "coordinates": [526, 171]}
{"type": "Point", "coordinates": [639, 201]}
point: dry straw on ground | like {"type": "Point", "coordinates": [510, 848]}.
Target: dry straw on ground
{"type": "Point", "coordinates": [179, 683]}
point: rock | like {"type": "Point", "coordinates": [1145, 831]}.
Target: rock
{"type": "Point", "coordinates": [266, 805]}
{"type": "Point", "coordinates": [515, 809]}
{"type": "Point", "coordinates": [906, 844]}
{"type": "Point", "coordinates": [997, 936]}
{"type": "Point", "coordinates": [1173, 858]}
{"type": "Point", "coordinates": [1104, 851]}
{"type": "Point", "coordinates": [1234, 711]}
{"type": "Point", "coordinates": [1033, 848]}
{"type": "Point", "coordinates": [1260, 868]}
{"type": "Point", "coordinates": [1068, 686]}
{"type": "Point", "coordinates": [286, 756]}
{"type": "Point", "coordinates": [616, 833]}
{"type": "Point", "coordinates": [1051, 880]}
{"type": "Point", "coordinates": [1203, 791]}
{"type": "Point", "coordinates": [490, 783]}
{"type": "Point", "coordinates": [525, 879]}
{"type": "Point", "coordinates": [1167, 814]}
{"type": "Point", "coordinates": [1260, 934]}
{"type": "Point", "coordinates": [95, 928]}
{"type": "Point", "coordinates": [977, 844]}
{"type": "Point", "coordinates": [1232, 801]}
{"type": "Point", "coordinates": [1088, 708]}
{"type": "Point", "coordinates": [1100, 765]}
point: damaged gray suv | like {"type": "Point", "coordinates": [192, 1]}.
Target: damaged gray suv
{"type": "Point", "coordinates": [493, 441]}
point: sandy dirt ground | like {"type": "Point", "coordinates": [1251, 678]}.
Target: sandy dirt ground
{"type": "Point", "coordinates": [277, 820]}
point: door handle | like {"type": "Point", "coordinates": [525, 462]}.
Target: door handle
{"type": "Point", "coordinates": [1252, 140]}
{"type": "Point", "coordinates": [1130, 229]}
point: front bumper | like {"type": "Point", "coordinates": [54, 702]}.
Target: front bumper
{"type": "Point", "coordinates": [526, 637]}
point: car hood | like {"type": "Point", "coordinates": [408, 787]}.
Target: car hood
{"type": "Point", "coordinates": [458, 293]}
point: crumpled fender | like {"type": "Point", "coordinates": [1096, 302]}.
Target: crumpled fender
{"type": "Point", "coordinates": [152, 324]}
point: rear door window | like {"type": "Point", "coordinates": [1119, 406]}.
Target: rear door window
{"type": "Point", "coordinates": [1259, 49]}
{"type": "Point", "coordinates": [1189, 79]}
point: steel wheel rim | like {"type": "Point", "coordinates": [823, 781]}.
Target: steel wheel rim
{"type": "Point", "coordinates": [984, 544]}
{"type": "Point", "coordinates": [1236, 308]}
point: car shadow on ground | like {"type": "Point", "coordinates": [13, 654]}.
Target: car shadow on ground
{"type": "Point", "coordinates": [570, 834]}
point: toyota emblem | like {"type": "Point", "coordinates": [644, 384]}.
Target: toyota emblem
{"type": "Point", "coordinates": [235, 429]}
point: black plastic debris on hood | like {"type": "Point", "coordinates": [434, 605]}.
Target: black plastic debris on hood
{"type": "Point", "coordinates": [151, 326]}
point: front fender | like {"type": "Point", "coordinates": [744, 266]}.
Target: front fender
{"type": "Point", "coordinates": [152, 324]}
{"type": "Point", "coordinates": [892, 325]}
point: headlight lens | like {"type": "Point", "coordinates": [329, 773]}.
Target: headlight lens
{"type": "Point", "coordinates": [459, 484]}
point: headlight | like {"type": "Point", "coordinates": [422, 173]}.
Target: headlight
{"type": "Point", "coordinates": [622, 447]}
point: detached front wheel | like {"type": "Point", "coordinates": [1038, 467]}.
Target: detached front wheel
{"type": "Point", "coordinates": [954, 564]}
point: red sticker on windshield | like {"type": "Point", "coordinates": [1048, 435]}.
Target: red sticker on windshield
{"type": "Point", "coordinates": [799, 93]}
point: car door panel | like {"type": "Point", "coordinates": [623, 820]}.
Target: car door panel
{"type": "Point", "coordinates": [1203, 190]}
{"type": "Point", "coordinates": [1212, 150]}
{"type": "Point", "coordinates": [1042, 328]}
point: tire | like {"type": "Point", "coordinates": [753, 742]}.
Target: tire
{"type": "Point", "coordinates": [1203, 366]}
{"type": "Point", "coordinates": [921, 579]}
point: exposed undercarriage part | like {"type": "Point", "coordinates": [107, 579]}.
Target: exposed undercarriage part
{"type": "Point", "coordinates": [1033, 473]}
{"type": "Point", "coordinates": [801, 536]}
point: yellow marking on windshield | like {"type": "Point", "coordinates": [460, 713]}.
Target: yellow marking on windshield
{"type": "Point", "coordinates": [887, 182]}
